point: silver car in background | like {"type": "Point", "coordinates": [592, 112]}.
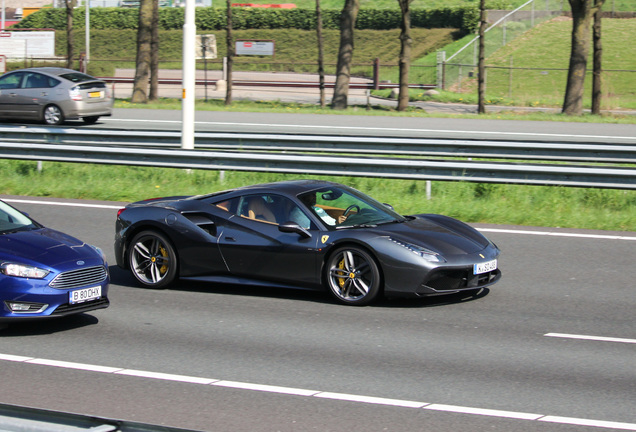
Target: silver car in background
{"type": "Point", "coordinates": [53, 95]}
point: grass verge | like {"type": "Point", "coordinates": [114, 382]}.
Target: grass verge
{"type": "Point", "coordinates": [470, 202]}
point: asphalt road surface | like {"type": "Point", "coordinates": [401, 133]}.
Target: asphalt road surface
{"type": "Point", "coordinates": [552, 347]}
{"type": "Point", "coordinates": [382, 126]}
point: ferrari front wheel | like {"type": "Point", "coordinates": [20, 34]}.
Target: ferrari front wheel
{"type": "Point", "coordinates": [352, 276]}
{"type": "Point", "coordinates": [152, 259]}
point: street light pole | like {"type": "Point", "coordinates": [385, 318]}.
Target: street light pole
{"type": "Point", "coordinates": [189, 64]}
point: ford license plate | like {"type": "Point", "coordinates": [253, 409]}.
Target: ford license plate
{"type": "Point", "coordinates": [485, 267]}
{"type": "Point", "coordinates": [84, 295]}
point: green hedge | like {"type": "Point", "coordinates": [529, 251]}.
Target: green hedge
{"type": "Point", "coordinates": [464, 18]}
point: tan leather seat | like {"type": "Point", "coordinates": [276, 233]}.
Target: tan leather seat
{"type": "Point", "coordinates": [257, 210]}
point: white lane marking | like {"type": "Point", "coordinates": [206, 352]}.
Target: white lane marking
{"type": "Point", "coordinates": [371, 400]}
{"type": "Point", "coordinates": [265, 388]}
{"type": "Point", "coordinates": [72, 365]}
{"type": "Point", "coordinates": [585, 422]}
{"type": "Point", "coordinates": [59, 203]}
{"type": "Point", "coordinates": [492, 230]}
{"type": "Point", "coordinates": [484, 412]}
{"type": "Point", "coordinates": [324, 395]}
{"type": "Point", "coordinates": [592, 338]}
{"type": "Point", "coordinates": [453, 131]}
{"type": "Point", "coordinates": [164, 376]}
{"type": "Point", "coordinates": [558, 234]}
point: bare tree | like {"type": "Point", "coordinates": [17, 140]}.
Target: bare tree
{"type": "Point", "coordinates": [597, 82]}
{"type": "Point", "coordinates": [345, 54]}
{"type": "Point", "coordinates": [142, 63]}
{"type": "Point", "coordinates": [582, 13]}
{"type": "Point", "coordinates": [405, 54]}
{"type": "Point", "coordinates": [321, 60]}
{"type": "Point", "coordinates": [70, 43]}
{"type": "Point", "coordinates": [481, 62]}
{"type": "Point", "coordinates": [154, 52]}
{"type": "Point", "coordinates": [230, 54]}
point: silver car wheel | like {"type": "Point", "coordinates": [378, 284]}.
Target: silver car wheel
{"type": "Point", "coordinates": [53, 115]}
{"type": "Point", "coordinates": [353, 276]}
{"type": "Point", "coordinates": [152, 259]}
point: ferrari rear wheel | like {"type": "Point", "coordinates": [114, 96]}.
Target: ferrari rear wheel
{"type": "Point", "coordinates": [353, 276]}
{"type": "Point", "coordinates": [152, 259]}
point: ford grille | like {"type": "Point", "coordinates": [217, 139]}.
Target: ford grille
{"type": "Point", "coordinates": [79, 278]}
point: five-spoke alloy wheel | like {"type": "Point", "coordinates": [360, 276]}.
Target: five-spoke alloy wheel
{"type": "Point", "coordinates": [53, 115]}
{"type": "Point", "coordinates": [152, 259]}
{"type": "Point", "coordinates": [353, 276]}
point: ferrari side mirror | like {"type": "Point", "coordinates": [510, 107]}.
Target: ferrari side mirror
{"type": "Point", "coordinates": [293, 227]}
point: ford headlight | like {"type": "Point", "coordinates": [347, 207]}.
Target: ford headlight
{"type": "Point", "coordinates": [421, 251]}
{"type": "Point", "coordinates": [24, 271]}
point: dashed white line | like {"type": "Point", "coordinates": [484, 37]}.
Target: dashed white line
{"type": "Point", "coordinates": [59, 203]}
{"type": "Point", "coordinates": [592, 338]}
{"type": "Point", "coordinates": [323, 395]}
{"type": "Point", "coordinates": [558, 234]}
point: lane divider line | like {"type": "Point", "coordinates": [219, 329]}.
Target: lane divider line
{"type": "Point", "coordinates": [558, 234]}
{"type": "Point", "coordinates": [321, 394]}
{"type": "Point", "coordinates": [592, 338]}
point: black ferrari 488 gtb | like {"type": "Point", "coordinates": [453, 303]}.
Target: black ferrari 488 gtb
{"type": "Point", "coordinates": [304, 234]}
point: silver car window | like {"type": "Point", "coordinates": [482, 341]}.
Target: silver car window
{"type": "Point", "coordinates": [11, 81]}
{"type": "Point", "coordinates": [36, 80]}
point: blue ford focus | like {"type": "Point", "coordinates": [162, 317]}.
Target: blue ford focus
{"type": "Point", "coordinates": [45, 273]}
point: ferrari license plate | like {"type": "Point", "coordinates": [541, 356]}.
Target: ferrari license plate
{"type": "Point", "coordinates": [485, 267]}
{"type": "Point", "coordinates": [85, 294]}
{"type": "Point", "coordinates": [95, 94]}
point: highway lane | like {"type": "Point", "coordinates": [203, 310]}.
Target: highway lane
{"type": "Point", "coordinates": [491, 352]}
{"type": "Point", "coordinates": [330, 124]}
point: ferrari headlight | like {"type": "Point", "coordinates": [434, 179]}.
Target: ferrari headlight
{"type": "Point", "coordinates": [24, 271]}
{"type": "Point", "coordinates": [421, 251]}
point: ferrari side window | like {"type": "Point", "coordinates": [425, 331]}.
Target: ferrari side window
{"type": "Point", "coordinates": [258, 207]}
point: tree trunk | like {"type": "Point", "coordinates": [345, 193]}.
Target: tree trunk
{"type": "Point", "coordinates": [481, 66]}
{"type": "Point", "coordinates": [70, 44]}
{"type": "Point", "coordinates": [405, 54]}
{"type": "Point", "coordinates": [321, 60]}
{"type": "Point", "coordinates": [230, 55]}
{"type": "Point", "coordinates": [154, 52]}
{"type": "Point", "coordinates": [582, 12]}
{"type": "Point", "coordinates": [345, 54]}
{"type": "Point", "coordinates": [142, 64]}
{"type": "Point", "coordinates": [597, 82]}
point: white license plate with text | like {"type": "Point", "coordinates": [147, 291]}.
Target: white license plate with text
{"type": "Point", "coordinates": [485, 267]}
{"type": "Point", "coordinates": [84, 295]}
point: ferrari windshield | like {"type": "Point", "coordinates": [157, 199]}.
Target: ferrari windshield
{"type": "Point", "coordinates": [12, 220]}
{"type": "Point", "coordinates": [342, 207]}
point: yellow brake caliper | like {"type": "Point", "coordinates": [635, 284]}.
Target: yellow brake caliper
{"type": "Point", "coordinates": [164, 268]}
{"type": "Point", "coordinates": [341, 280]}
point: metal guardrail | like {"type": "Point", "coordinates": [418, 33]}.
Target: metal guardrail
{"type": "Point", "coordinates": [618, 153]}
{"type": "Point", "coordinates": [22, 419]}
{"type": "Point", "coordinates": [336, 165]}
{"type": "Point", "coordinates": [607, 165]}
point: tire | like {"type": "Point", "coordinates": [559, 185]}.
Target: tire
{"type": "Point", "coordinates": [90, 120]}
{"type": "Point", "coordinates": [52, 115]}
{"type": "Point", "coordinates": [352, 276]}
{"type": "Point", "coordinates": [152, 259]}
